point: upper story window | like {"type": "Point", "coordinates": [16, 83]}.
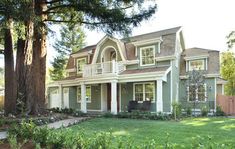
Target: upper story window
{"type": "Point", "coordinates": [147, 56]}
{"type": "Point", "coordinates": [196, 65]}
{"type": "Point", "coordinates": [80, 63]}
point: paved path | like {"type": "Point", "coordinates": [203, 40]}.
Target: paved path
{"type": "Point", "coordinates": [56, 125]}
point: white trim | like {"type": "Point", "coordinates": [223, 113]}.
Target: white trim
{"type": "Point", "coordinates": [114, 97]}
{"type": "Point", "coordinates": [83, 98]}
{"type": "Point", "coordinates": [171, 85]}
{"type": "Point", "coordinates": [165, 58]}
{"type": "Point", "coordinates": [196, 57]}
{"type": "Point", "coordinates": [206, 64]}
{"type": "Point", "coordinates": [103, 52]}
{"type": "Point", "coordinates": [80, 59]}
{"type": "Point", "coordinates": [159, 103]}
{"type": "Point", "coordinates": [120, 97]}
{"type": "Point", "coordinates": [87, 101]}
{"type": "Point", "coordinates": [81, 54]}
{"type": "Point", "coordinates": [148, 41]}
{"type": "Point", "coordinates": [215, 86]}
{"type": "Point", "coordinates": [144, 48]}
{"type": "Point", "coordinates": [143, 85]}
{"type": "Point", "coordinates": [131, 62]}
{"type": "Point", "coordinates": [71, 70]}
{"type": "Point", "coordinates": [206, 75]}
{"type": "Point", "coordinates": [97, 51]}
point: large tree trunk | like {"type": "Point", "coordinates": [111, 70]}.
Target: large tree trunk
{"type": "Point", "coordinates": [39, 59]}
{"type": "Point", "coordinates": [20, 77]}
{"type": "Point", "coordinates": [10, 99]}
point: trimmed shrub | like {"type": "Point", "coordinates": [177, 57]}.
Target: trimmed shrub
{"type": "Point", "coordinates": [219, 111]}
{"type": "Point", "coordinates": [204, 111]}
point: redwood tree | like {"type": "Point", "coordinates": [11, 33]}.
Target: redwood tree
{"type": "Point", "coordinates": [110, 16]}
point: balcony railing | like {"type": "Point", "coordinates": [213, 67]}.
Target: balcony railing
{"type": "Point", "coordinates": [110, 67]}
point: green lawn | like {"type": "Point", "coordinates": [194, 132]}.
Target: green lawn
{"type": "Point", "coordinates": [220, 129]}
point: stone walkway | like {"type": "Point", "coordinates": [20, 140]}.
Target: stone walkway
{"type": "Point", "coordinates": [56, 125]}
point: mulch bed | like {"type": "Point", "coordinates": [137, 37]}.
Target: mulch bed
{"type": "Point", "coordinates": [6, 145]}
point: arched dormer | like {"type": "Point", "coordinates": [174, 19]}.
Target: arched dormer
{"type": "Point", "coordinates": [109, 49]}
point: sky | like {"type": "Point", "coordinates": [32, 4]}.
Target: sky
{"type": "Point", "coordinates": [206, 23]}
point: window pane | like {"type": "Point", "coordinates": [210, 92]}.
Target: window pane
{"type": "Point", "coordinates": [197, 65]}
{"type": "Point", "coordinates": [78, 93]}
{"type": "Point", "coordinates": [147, 56]}
{"type": "Point", "coordinates": [149, 91]}
{"type": "Point", "coordinates": [88, 93]}
{"type": "Point", "coordinates": [80, 63]}
{"type": "Point", "coordinates": [139, 92]}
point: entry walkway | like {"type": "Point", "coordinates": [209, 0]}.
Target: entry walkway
{"type": "Point", "coordinates": [56, 125]}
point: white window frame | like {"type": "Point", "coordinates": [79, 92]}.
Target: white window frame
{"type": "Point", "coordinates": [154, 51]}
{"type": "Point", "coordinates": [89, 98]}
{"type": "Point", "coordinates": [80, 59]}
{"type": "Point", "coordinates": [143, 85]}
{"type": "Point", "coordinates": [189, 64]}
{"type": "Point", "coordinates": [205, 99]}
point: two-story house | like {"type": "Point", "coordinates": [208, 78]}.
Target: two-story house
{"type": "Point", "coordinates": [149, 67]}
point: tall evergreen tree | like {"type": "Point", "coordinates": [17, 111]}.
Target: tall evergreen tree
{"type": "Point", "coordinates": [72, 39]}
{"type": "Point", "coordinates": [110, 16]}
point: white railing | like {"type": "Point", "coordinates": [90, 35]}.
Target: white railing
{"type": "Point", "coordinates": [110, 67]}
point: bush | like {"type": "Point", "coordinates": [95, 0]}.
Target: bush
{"type": "Point", "coordinates": [108, 115]}
{"type": "Point", "coordinates": [219, 111]}
{"type": "Point", "coordinates": [40, 135]}
{"type": "Point", "coordinates": [188, 111]}
{"type": "Point", "coordinates": [204, 111]}
{"type": "Point", "coordinates": [78, 113]}
{"type": "Point", "coordinates": [177, 110]}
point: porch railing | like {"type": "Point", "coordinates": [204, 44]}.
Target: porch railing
{"type": "Point", "coordinates": [110, 67]}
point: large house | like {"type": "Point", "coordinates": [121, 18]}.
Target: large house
{"type": "Point", "coordinates": [150, 67]}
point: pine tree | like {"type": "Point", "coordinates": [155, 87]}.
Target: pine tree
{"type": "Point", "coordinates": [72, 39]}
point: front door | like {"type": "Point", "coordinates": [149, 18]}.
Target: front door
{"type": "Point", "coordinates": [109, 97]}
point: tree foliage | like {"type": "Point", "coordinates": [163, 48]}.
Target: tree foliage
{"type": "Point", "coordinates": [72, 39]}
{"type": "Point", "coordinates": [228, 71]}
{"type": "Point", "coordinates": [34, 18]}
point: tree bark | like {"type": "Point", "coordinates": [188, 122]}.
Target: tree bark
{"type": "Point", "coordinates": [10, 98]}
{"type": "Point", "coordinates": [39, 58]}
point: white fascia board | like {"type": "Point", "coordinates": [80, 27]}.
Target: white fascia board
{"type": "Point", "coordinates": [70, 70]}
{"type": "Point", "coordinates": [196, 57]}
{"type": "Point", "coordinates": [165, 58]}
{"type": "Point", "coordinates": [222, 82]}
{"type": "Point", "coordinates": [82, 54]}
{"type": "Point", "coordinates": [207, 76]}
{"type": "Point", "coordinates": [131, 62]}
{"type": "Point", "coordinates": [147, 42]}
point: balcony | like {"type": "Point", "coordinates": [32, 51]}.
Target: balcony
{"type": "Point", "coordinates": [110, 67]}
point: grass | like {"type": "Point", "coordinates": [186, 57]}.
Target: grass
{"type": "Point", "coordinates": [221, 130]}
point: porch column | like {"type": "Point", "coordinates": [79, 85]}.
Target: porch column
{"type": "Point", "coordinates": [113, 66]}
{"type": "Point", "coordinates": [60, 95]}
{"type": "Point", "coordinates": [114, 97]}
{"type": "Point", "coordinates": [159, 103]}
{"type": "Point", "coordinates": [83, 98]}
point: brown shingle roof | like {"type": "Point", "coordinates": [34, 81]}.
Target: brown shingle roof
{"type": "Point", "coordinates": [87, 48]}
{"type": "Point", "coordinates": [145, 70]}
{"type": "Point", "coordinates": [70, 64]}
{"type": "Point", "coordinates": [152, 35]}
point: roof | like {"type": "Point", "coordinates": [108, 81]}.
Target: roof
{"type": "Point", "coordinates": [152, 34]}
{"type": "Point", "coordinates": [221, 81]}
{"type": "Point", "coordinates": [87, 48]}
{"type": "Point", "coordinates": [156, 69]}
{"type": "Point", "coordinates": [197, 51]}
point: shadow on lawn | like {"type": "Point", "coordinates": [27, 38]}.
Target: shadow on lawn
{"type": "Point", "coordinates": [221, 123]}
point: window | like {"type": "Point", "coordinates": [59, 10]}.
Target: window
{"type": "Point", "coordinates": [144, 91]}
{"type": "Point", "coordinates": [196, 65]}
{"type": "Point", "coordinates": [80, 63]}
{"type": "Point", "coordinates": [147, 55]}
{"type": "Point", "coordinates": [197, 93]}
{"type": "Point", "coordinates": [88, 93]}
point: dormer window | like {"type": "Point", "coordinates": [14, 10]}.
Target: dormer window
{"type": "Point", "coordinates": [147, 56]}
{"type": "Point", "coordinates": [196, 65]}
{"type": "Point", "coordinates": [80, 63]}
